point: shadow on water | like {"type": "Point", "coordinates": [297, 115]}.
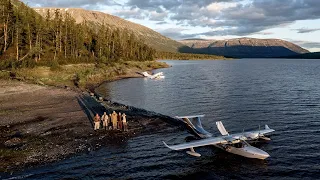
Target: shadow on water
{"type": "Point", "coordinates": [217, 164]}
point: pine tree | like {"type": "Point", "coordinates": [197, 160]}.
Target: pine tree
{"type": "Point", "coordinates": [25, 35]}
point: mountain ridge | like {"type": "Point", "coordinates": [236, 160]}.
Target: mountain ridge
{"type": "Point", "coordinates": [245, 47]}
{"type": "Point", "coordinates": [239, 47]}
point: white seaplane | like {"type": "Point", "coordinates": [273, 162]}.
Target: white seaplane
{"type": "Point", "coordinates": [158, 75]}
{"type": "Point", "coordinates": [232, 143]}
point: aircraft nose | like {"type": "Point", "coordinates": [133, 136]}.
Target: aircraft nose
{"type": "Point", "coordinates": [264, 154]}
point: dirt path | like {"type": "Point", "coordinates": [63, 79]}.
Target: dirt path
{"type": "Point", "coordinates": [41, 124]}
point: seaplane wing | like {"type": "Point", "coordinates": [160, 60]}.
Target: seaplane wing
{"type": "Point", "coordinates": [197, 143]}
{"type": "Point", "coordinates": [193, 116]}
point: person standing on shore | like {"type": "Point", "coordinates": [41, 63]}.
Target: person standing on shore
{"type": "Point", "coordinates": [114, 118]}
{"type": "Point", "coordinates": [124, 122]}
{"type": "Point", "coordinates": [119, 121]}
{"type": "Point", "coordinates": [96, 121]}
{"type": "Point", "coordinates": [109, 122]}
{"type": "Point", "coordinates": [105, 120]}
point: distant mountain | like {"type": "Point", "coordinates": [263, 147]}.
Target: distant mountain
{"type": "Point", "coordinates": [314, 55]}
{"type": "Point", "coordinates": [149, 36]}
{"type": "Point", "coordinates": [244, 47]}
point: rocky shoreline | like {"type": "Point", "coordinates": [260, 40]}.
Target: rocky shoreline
{"type": "Point", "coordinates": [41, 124]}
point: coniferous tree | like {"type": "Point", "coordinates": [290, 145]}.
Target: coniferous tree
{"type": "Point", "coordinates": [25, 36]}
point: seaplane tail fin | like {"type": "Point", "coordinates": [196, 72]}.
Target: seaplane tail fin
{"type": "Point", "coordinates": [221, 128]}
{"type": "Point", "coordinates": [145, 74]}
{"type": "Point", "coordinates": [266, 127]}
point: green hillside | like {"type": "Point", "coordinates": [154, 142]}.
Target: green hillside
{"type": "Point", "coordinates": [28, 39]}
{"type": "Point", "coordinates": [96, 19]}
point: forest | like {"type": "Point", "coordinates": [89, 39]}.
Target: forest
{"type": "Point", "coordinates": [28, 40]}
{"type": "Point", "coordinates": [186, 56]}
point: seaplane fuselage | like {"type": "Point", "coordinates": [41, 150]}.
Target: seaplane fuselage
{"type": "Point", "coordinates": [245, 150]}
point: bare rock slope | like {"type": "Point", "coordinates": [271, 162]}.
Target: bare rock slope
{"type": "Point", "coordinates": [245, 47]}
{"type": "Point", "coordinates": [149, 36]}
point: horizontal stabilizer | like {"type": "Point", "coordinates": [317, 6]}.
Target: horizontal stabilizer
{"type": "Point", "coordinates": [263, 131]}
{"type": "Point", "coordinates": [221, 128]}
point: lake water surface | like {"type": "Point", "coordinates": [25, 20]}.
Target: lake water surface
{"type": "Point", "coordinates": [243, 94]}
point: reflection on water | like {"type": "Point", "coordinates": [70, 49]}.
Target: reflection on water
{"type": "Point", "coordinates": [244, 94]}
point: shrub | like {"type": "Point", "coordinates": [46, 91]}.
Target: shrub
{"type": "Point", "coordinates": [28, 63]}
{"type": "Point", "coordinates": [6, 64]}
{"type": "Point", "coordinates": [5, 75]}
{"type": "Point", "coordinates": [54, 65]}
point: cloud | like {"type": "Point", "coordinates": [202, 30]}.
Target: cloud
{"type": "Point", "coordinates": [92, 4]}
{"type": "Point", "coordinates": [236, 17]}
{"type": "Point", "coordinates": [306, 30]}
{"type": "Point", "coordinates": [306, 44]}
{"type": "Point", "coordinates": [157, 16]}
{"type": "Point", "coordinates": [175, 33]}
{"type": "Point", "coordinates": [162, 22]}
{"type": "Point", "coordinates": [169, 4]}
{"type": "Point", "coordinates": [130, 13]}
{"type": "Point", "coordinates": [264, 33]}
{"type": "Point", "coordinates": [221, 17]}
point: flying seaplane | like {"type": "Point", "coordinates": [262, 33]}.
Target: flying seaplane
{"type": "Point", "coordinates": [232, 143]}
{"type": "Point", "coordinates": [158, 75]}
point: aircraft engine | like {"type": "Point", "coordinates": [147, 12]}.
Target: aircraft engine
{"type": "Point", "coordinates": [252, 135]}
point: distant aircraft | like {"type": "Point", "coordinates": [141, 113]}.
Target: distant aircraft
{"type": "Point", "coordinates": [153, 76]}
{"type": "Point", "coordinates": [232, 143]}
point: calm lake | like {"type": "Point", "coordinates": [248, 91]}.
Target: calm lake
{"type": "Point", "coordinates": [243, 94]}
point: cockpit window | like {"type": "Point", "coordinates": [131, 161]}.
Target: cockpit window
{"type": "Point", "coordinates": [238, 145]}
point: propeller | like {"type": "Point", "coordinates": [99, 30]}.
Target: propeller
{"type": "Point", "coordinates": [259, 134]}
{"type": "Point", "coordinates": [242, 137]}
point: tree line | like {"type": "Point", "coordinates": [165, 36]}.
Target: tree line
{"type": "Point", "coordinates": [28, 39]}
{"type": "Point", "coordinates": [185, 56]}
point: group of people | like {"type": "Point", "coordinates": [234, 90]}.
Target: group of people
{"type": "Point", "coordinates": [112, 121]}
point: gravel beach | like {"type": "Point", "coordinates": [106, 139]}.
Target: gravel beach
{"type": "Point", "coordinates": [40, 124]}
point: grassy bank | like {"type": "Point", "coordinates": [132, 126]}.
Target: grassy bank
{"type": "Point", "coordinates": [188, 56]}
{"type": "Point", "coordinates": [83, 76]}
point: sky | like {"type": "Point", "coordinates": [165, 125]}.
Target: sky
{"type": "Point", "coordinates": [297, 21]}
